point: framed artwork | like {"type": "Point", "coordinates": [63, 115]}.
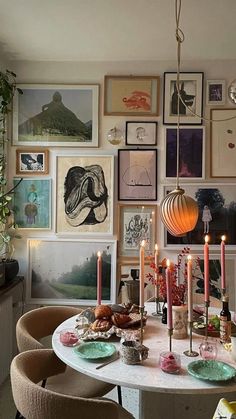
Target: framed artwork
{"type": "Point", "coordinates": [215, 92]}
{"type": "Point", "coordinates": [131, 95]}
{"type": "Point", "coordinates": [137, 175]}
{"type": "Point", "coordinates": [217, 216]}
{"type": "Point", "coordinates": [84, 196]}
{"type": "Point", "coordinates": [191, 152]}
{"type": "Point", "coordinates": [223, 143]}
{"type": "Point", "coordinates": [71, 279]}
{"type": "Point", "coordinates": [191, 93]}
{"type": "Point", "coordinates": [136, 223]}
{"type": "Point", "coordinates": [32, 203]}
{"type": "Point", "coordinates": [32, 161]}
{"type": "Point", "coordinates": [128, 273]}
{"type": "Point", "coordinates": [56, 115]}
{"type": "Point", "coordinates": [141, 133]}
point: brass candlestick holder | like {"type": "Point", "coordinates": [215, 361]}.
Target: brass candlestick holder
{"type": "Point", "coordinates": [158, 311]}
{"type": "Point", "coordinates": [141, 311]}
{"type": "Point", "coordinates": [170, 333]}
{"type": "Point", "coordinates": [190, 351]}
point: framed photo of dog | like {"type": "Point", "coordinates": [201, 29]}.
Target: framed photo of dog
{"type": "Point", "coordinates": [191, 98]}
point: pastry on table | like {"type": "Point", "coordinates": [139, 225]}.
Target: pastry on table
{"type": "Point", "coordinates": [120, 320]}
{"type": "Point", "coordinates": [101, 325]}
{"type": "Point", "coordinates": [102, 311]}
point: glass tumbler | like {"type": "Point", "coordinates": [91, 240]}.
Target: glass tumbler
{"type": "Point", "coordinates": [69, 337]}
{"type": "Point", "coordinates": [170, 362]}
{"type": "Point", "coordinates": [208, 349]}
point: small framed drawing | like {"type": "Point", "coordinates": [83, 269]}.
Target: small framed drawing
{"type": "Point", "coordinates": [84, 198]}
{"type": "Point", "coordinates": [136, 223]}
{"type": "Point", "coordinates": [32, 203]}
{"type": "Point", "coordinates": [71, 279]}
{"type": "Point", "coordinates": [32, 161]}
{"type": "Point", "coordinates": [215, 92]}
{"type": "Point", "coordinates": [223, 143]}
{"type": "Point", "coordinates": [190, 105]}
{"type": "Point", "coordinates": [132, 95]}
{"type": "Point", "coordinates": [137, 175]}
{"type": "Point", "coordinates": [191, 152]}
{"type": "Point", "coordinates": [141, 133]}
{"type": "Point", "coordinates": [56, 115]}
{"type": "Point", "coordinates": [217, 216]}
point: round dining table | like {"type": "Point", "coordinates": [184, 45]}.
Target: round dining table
{"type": "Point", "coordinates": [161, 395]}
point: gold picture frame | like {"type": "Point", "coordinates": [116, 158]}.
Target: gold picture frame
{"type": "Point", "coordinates": [32, 161]}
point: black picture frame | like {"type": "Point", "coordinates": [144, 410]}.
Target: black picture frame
{"type": "Point", "coordinates": [141, 133]}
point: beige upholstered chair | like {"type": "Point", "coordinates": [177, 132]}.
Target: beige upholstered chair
{"type": "Point", "coordinates": [41, 322]}
{"type": "Point", "coordinates": [36, 402]}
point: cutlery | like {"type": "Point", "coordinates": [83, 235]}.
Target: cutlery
{"type": "Point", "coordinates": [108, 362]}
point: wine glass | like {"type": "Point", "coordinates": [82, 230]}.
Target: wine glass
{"type": "Point", "coordinates": [208, 349]}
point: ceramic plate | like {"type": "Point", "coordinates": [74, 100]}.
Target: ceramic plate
{"type": "Point", "coordinates": [95, 350]}
{"type": "Point", "coordinates": [211, 370]}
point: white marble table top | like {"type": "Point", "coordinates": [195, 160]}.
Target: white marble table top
{"type": "Point", "coordinates": [148, 376]}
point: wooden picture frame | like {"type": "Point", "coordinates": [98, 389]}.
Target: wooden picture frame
{"type": "Point", "coordinates": [131, 95]}
{"type": "Point", "coordinates": [223, 143]}
{"type": "Point", "coordinates": [141, 133]}
{"type": "Point", "coordinates": [56, 115]}
{"type": "Point", "coordinates": [136, 223]}
{"type": "Point", "coordinates": [191, 91]}
{"type": "Point", "coordinates": [32, 161]}
{"type": "Point", "coordinates": [215, 92]}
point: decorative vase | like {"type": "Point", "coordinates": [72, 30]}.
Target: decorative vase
{"type": "Point", "coordinates": [180, 321]}
{"type": "Point", "coordinates": [11, 269]}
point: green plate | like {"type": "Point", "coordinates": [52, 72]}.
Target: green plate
{"type": "Point", "coordinates": [95, 350]}
{"type": "Point", "coordinates": [211, 370]}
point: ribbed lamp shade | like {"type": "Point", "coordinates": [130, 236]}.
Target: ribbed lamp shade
{"type": "Point", "coordinates": [179, 212]}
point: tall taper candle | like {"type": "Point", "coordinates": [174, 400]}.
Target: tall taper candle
{"type": "Point", "coordinates": [222, 262]}
{"type": "Point", "coordinates": [99, 278]}
{"type": "Point", "coordinates": [190, 288]}
{"type": "Point", "coordinates": [169, 296]}
{"type": "Point", "coordinates": [156, 273]}
{"type": "Point", "coordinates": [206, 268]}
{"type": "Point", "coordinates": [141, 274]}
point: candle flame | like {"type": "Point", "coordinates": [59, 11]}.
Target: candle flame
{"type": "Point", "coordinates": [207, 238]}
{"type": "Point", "coordinates": [223, 238]}
{"type": "Point", "coordinates": [168, 263]}
{"type": "Point", "coordinates": [99, 254]}
{"type": "Point", "coordinates": [189, 257]}
{"type": "Point", "coordinates": [156, 246]}
{"type": "Point", "coordinates": [143, 243]}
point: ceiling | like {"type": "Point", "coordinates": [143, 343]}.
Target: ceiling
{"type": "Point", "coordinates": [115, 30]}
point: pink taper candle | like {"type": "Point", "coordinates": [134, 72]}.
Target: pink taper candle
{"type": "Point", "coordinates": [190, 288]}
{"type": "Point", "coordinates": [99, 278]}
{"type": "Point", "coordinates": [141, 275]}
{"type": "Point", "coordinates": [169, 296]}
{"type": "Point", "coordinates": [222, 262]}
{"type": "Point", "coordinates": [156, 273]}
{"type": "Point", "coordinates": [206, 268]}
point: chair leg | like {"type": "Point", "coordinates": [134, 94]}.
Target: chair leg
{"type": "Point", "coordinates": [44, 383]}
{"type": "Point", "coordinates": [119, 395]}
{"type": "Point", "coordinates": [18, 415]}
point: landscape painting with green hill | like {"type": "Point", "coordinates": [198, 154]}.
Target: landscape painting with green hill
{"type": "Point", "coordinates": [56, 115]}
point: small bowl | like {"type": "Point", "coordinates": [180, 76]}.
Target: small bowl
{"type": "Point", "coordinates": [170, 362]}
{"type": "Point", "coordinates": [69, 337]}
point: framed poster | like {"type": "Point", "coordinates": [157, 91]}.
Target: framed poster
{"type": "Point", "coordinates": [223, 143]}
{"type": "Point", "coordinates": [136, 223]}
{"type": "Point", "coordinates": [32, 203]}
{"type": "Point", "coordinates": [215, 92]}
{"type": "Point", "coordinates": [191, 152]}
{"type": "Point", "coordinates": [56, 115]}
{"type": "Point", "coordinates": [137, 175]}
{"type": "Point", "coordinates": [191, 93]}
{"type": "Point", "coordinates": [84, 197]}
{"type": "Point", "coordinates": [32, 161]}
{"type": "Point", "coordinates": [141, 133]}
{"type": "Point", "coordinates": [217, 216]}
{"type": "Point", "coordinates": [131, 95]}
{"type": "Point", "coordinates": [71, 279]}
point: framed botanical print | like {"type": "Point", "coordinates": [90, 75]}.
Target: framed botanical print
{"type": "Point", "coordinates": [137, 175]}
{"type": "Point", "coordinates": [32, 161]}
{"type": "Point", "coordinates": [141, 133]}
{"type": "Point", "coordinates": [136, 223]}
{"type": "Point", "coordinates": [215, 92]}
{"type": "Point", "coordinates": [191, 102]}
{"type": "Point", "coordinates": [84, 198]}
{"type": "Point", "coordinates": [131, 95]}
{"type": "Point", "coordinates": [56, 115]}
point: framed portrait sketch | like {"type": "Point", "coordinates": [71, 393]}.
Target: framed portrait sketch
{"type": "Point", "coordinates": [56, 115]}
{"type": "Point", "coordinates": [32, 203]}
{"type": "Point", "coordinates": [84, 197]}
{"type": "Point", "coordinates": [191, 152]}
{"type": "Point", "coordinates": [137, 175]}
{"type": "Point", "coordinates": [191, 93]}
{"type": "Point", "coordinates": [215, 92]}
{"type": "Point", "coordinates": [217, 216]}
{"type": "Point", "coordinates": [141, 133]}
{"type": "Point", "coordinates": [136, 223]}
{"type": "Point", "coordinates": [131, 95]}
{"type": "Point", "coordinates": [32, 161]}
{"type": "Point", "coordinates": [223, 143]}
{"type": "Point", "coordinates": [71, 279]}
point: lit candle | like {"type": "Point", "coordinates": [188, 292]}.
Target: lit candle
{"type": "Point", "coordinates": [169, 296]}
{"type": "Point", "coordinates": [190, 288]}
{"type": "Point", "coordinates": [141, 275]}
{"type": "Point", "coordinates": [156, 273]}
{"type": "Point", "coordinates": [99, 278]}
{"type": "Point", "coordinates": [222, 262]}
{"type": "Point", "coordinates": [206, 268]}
